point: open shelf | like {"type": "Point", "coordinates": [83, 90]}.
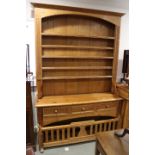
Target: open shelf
{"type": "Point", "coordinates": [75, 57]}
{"type": "Point", "coordinates": [78, 36]}
{"type": "Point", "coordinates": [77, 99]}
{"type": "Point", "coordinates": [77, 47]}
{"type": "Point", "coordinates": [75, 77]}
{"type": "Point", "coordinates": [78, 68]}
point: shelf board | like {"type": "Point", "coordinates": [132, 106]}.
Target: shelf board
{"type": "Point", "coordinates": [78, 68]}
{"type": "Point", "coordinates": [75, 77]}
{"type": "Point", "coordinates": [77, 47]}
{"type": "Point", "coordinates": [74, 57]}
{"type": "Point", "coordinates": [78, 36]}
{"type": "Point", "coordinates": [78, 99]}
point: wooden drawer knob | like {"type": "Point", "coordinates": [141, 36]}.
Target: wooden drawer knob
{"type": "Point", "coordinates": [55, 110]}
{"type": "Point", "coordinates": [83, 108]}
{"type": "Point", "coordinates": [107, 106]}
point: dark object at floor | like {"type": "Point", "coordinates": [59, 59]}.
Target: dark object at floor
{"type": "Point", "coordinates": [125, 131]}
{"type": "Point", "coordinates": [29, 151]}
{"type": "Point", "coordinates": [29, 118]}
{"type": "Point", "coordinates": [109, 144]}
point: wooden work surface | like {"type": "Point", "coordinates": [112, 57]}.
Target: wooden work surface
{"type": "Point", "coordinates": [123, 90]}
{"type": "Point", "coordinates": [109, 144]}
{"type": "Point", "coordinates": [76, 99]}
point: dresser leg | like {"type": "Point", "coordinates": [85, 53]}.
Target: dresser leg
{"type": "Point", "coordinates": [97, 152]}
{"type": "Point", "coordinates": [40, 140]}
{"type": "Point", "coordinates": [96, 149]}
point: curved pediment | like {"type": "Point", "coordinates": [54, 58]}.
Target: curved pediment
{"type": "Point", "coordinates": [77, 24]}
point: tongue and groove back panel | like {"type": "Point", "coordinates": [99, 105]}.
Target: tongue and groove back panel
{"type": "Point", "coordinates": [76, 52]}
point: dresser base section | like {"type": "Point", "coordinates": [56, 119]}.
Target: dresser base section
{"type": "Point", "coordinates": [75, 132]}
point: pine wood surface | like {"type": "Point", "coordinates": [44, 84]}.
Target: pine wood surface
{"type": "Point", "coordinates": [77, 99]}
{"type": "Point", "coordinates": [77, 36]}
{"type": "Point", "coordinates": [76, 132]}
{"type": "Point", "coordinates": [68, 38]}
{"type": "Point", "coordinates": [40, 5]}
{"type": "Point", "coordinates": [76, 56]}
{"type": "Point", "coordinates": [123, 91]}
{"type": "Point", "coordinates": [109, 144]}
{"type": "Point", "coordinates": [77, 68]}
{"type": "Point", "coordinates": [76, 47]}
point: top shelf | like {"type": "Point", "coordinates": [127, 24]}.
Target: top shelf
{"type": "Point", "coordinates": [78, 36]}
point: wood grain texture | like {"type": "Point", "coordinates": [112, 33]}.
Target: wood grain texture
{"type": "Point", "coordinates": [76, 85]}
{"type": "Point", "coordinates": [78, 68]}
{"type": "Point", "coordinates": [59, 113]}
{"type": "Point", "coordinates": [109, 144]}
{"type": "Point", "coordinates": [76, 52]}
{"type": "Point", "coordinates": [76, 63]}
{"type": "Point", "coordinates": [126, 115]}
{"type": "Point", "coordinates": [38, 52]}
{"type": "Point", "coordinates": [57, 51]}
{"type": "Point", "coordinates": [115, 61]}
{"type": "Point", "coordinates": [52, 6]}
{"type": "Point", "coordinates": [60, 117]}
{"type": "Point", "coordinates": [40, 114]}
{"type": "Point", "coordinates": [123, 91]}
{"type": "Point", "coordinates": [77, 99]}
{"type": "Point", "coordinates": [77, 36]}
{"type": "Point", "coordinates": [113, 17]}
{"type": "Point", "coordinates": [76, 47]}
{"type": "Point", "coordinates": [75, 132]}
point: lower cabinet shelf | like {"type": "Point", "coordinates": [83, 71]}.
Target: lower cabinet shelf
{"type": "Point", "coordinates": [75, 132]}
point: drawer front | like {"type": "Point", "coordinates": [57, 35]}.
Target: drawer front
{"type": "Point", "coordinates": [94, 107]}
{"type": "Point", "coordinates": [56, 110]}
{"type": "Point", "coordinates": [54, 114]}
{"type": "Point", "coordinates": [107, 105]}
{"type": "Point", "coordinates": [79, 108]}
{"type": "Point", "coordinates": [82, 108]}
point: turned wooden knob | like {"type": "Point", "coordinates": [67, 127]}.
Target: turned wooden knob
{"type": "Point", "coordinates": [83, 108]}
{"type": "Point", "coordinates": [55, 110]}
{"type": "Point", "coordinates": [107, 106]}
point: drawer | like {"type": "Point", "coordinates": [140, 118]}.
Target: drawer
{"type": "Point", "coordinates": [82, 108]}
{"type": "Point", "coordinates": [67, 109]}
{"type": "Point", "coordinates": [94, 106]}
{"type": "Point", "coordinates": [54, 114]}
{"type": "Point", "coordinates": [106, 105]}
{"type": "Point", "coordinates": [79, 108]}
{"type": "Point", "coordinates": [56, 110]}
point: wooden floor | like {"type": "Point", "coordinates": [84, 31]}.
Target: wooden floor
{"type": "Point", "coordinates": [109, 144]}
